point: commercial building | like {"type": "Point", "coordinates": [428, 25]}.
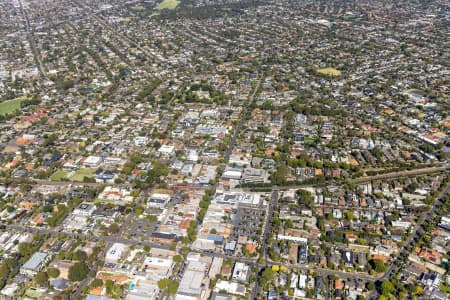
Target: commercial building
{"type": "Point", "coordinates": [230, 287]}
{"type": "Point", "coordinates": [241, 272]}
{"type": "Point", "coordinates": [191, 283]}
{"type": "Point", "coordinates": [35, 264]}
{"type": "Point", "coordinates": [114, 253]}
{"type": "Point", "coordinates": [84, 209]}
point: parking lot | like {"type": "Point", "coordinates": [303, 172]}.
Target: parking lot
{"type": "Point", "coordinates": [248, 222]}
{"type": "Point", "coordinates": [141, 229]}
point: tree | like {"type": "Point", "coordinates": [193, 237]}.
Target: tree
{"type": "Point", "coordinates": [41, 278]}
{"type": "Point", "coordinates": [361, 241]}
{"type": "Point", "coordinates": [371, 286]}
{"type": "Point", "coordinates": [418, 290]}
{"type": "Point", "coordinates": [378, 265]}
{"type": "Point", "coordinates": [350, 215]}
{"type": "Point", "coordinates": [96, 283]}
{"type": "Point", "coordinates": [171, 285]}
{"type": "Point", "coordinates": [320, 222]}
{"type": "Point", "coordinates": [48, 208]}
{"type": "Point", "coordinates": [305, 198]}
{"type": "Point", "coordinates": [78, 271]}
{"type": "Point", "coordinates": [279, 176]}
{"type": "Point", "coordinates": [25, 249]}
{"type": "Point", "coordinates": [53, 272]}
{"type": "Point", "coordinates": [387, 288]}
{"type": "Point", "coordinates": [191, 231]}
{"type": "Point", "coordinates": [267, 276]}
{"type": "Point", "coordinates": [177, 258]}
{"type": "Point", "coordinates": [6, 269]}
{"type": "Point", "coordinates": [172, 288]}
{"type": "Point", "coordinates": [80, 255]}
{"type": "Point", "coordinates": [113, 228]}
{"type": "Point", "coordinates": [152, 218]}
{"type": "Point", "coordinates": [109, 286]}
{"type": "Point", "coordinates": [163, 283]}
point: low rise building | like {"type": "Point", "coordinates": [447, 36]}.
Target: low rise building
{"type": "Point", "coordinates": [35, 264]}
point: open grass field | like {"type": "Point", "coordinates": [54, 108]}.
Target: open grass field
{"type": "Point", "coordinates": [329, 72]}
{"type": "Point", "coordinates": [138, 8]}
{"type": "Point", "coordinates": [10, 106]}
{"type": "Point", "coordinates": [58, 175]}
{"type": "Point", "coordinates": [81, 173]}
{"type": "Point", "coordinates": [168, 4]}
{"type": "Point", "coordinates": [309, 140]}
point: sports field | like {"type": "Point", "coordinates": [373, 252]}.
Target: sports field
{"type": "Point", "coordinates": [58, 175]}
{"type": "Point", "coordinates": [77, 175]}
{"type": "Point", "coordinates": [81, 173]}
{"type": "Point", "coordinates": [168, 4]}
{"type": "Point", "coordinates": [10, 106]}
{"type": "Point", "coordinates": [329, 72]}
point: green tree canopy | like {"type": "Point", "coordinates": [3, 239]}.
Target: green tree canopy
{"type": "Point", "coordinates": [78, 271]}
{"type": "Point", "coordinates": [387, 288]}
{"type": "Point", "coordinates": [96, 283]}
{"type": "Point", "coordinates": [163, 283]}
{"type": "Point", "coordinates": [25, 249]}
{"type": "Point", "coordinates": [41, 278]}
{"type": "Point", "coordinates": [378, 265]}
{"type": "Point", "coordinates": [53, 272]}
{"type": "Point", "coordinates": [80, 255]}
{"type": "Point", "coordinates": [172, 288]}
{"type": "Point", "coordinates": [305, 198]}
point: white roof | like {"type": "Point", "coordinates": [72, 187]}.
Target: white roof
{"type": "Point", "coordinates": [193, 256]}
{"type": "Point", "coordinates": [203, 244]}
{"type": "Point", "coordinates": [144, 290]}
{"type": "Point", "coordinates": [160, 196]}
{"type": "Point", "coordinates": [185, 297]}
{"type": "Point", "coordinates": [232, 174]}
{"type": "Point", "coordinates": [158, 262]}
{"type": "Point", "coordinates": [166, 149]}
{"type": "Point", "coordinates": [10, 289]}
{"type": "Point", "coordinates": [92, 160]}
{"type": "Point", "coordinates": [292, 238]}
{"type": "Point", "coordinates": [191, 283]}
{"type": "Point", "coordinates": [230, 287]}
{"type": "Point", "coordinates": [115, 252]}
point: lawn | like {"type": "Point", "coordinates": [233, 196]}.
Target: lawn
{"type": "Point", "coordinates": [309, 140]}
{"type": "Point", "coordinates": [58, 175]}
{"type": "Point", "coordinates": [81, 173]}
{"type": "Point", "coordinates": [138, 8]}
{"type": "Point", "coordinates": [168, 4]}
{"type": "Point", "coordinates": [329, 72]}
{"type": "Point", "coordinates": [445, 288]}
{"type": "Point", "coordinates": [10, 106]}
{"type": "Point", "coordinates": [33, 293]}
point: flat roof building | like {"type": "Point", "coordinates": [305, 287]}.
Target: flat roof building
{"type": "Point", "coordinates": [240, 272]}
{"type": "Point", "coordinates": [35, 264]}
{"type": "Point", "coordinates": [115, 252]}
{"type": "Point", "coordinates": [191, 283]}
{"type": "Point", "coordinates": [84, 209]}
